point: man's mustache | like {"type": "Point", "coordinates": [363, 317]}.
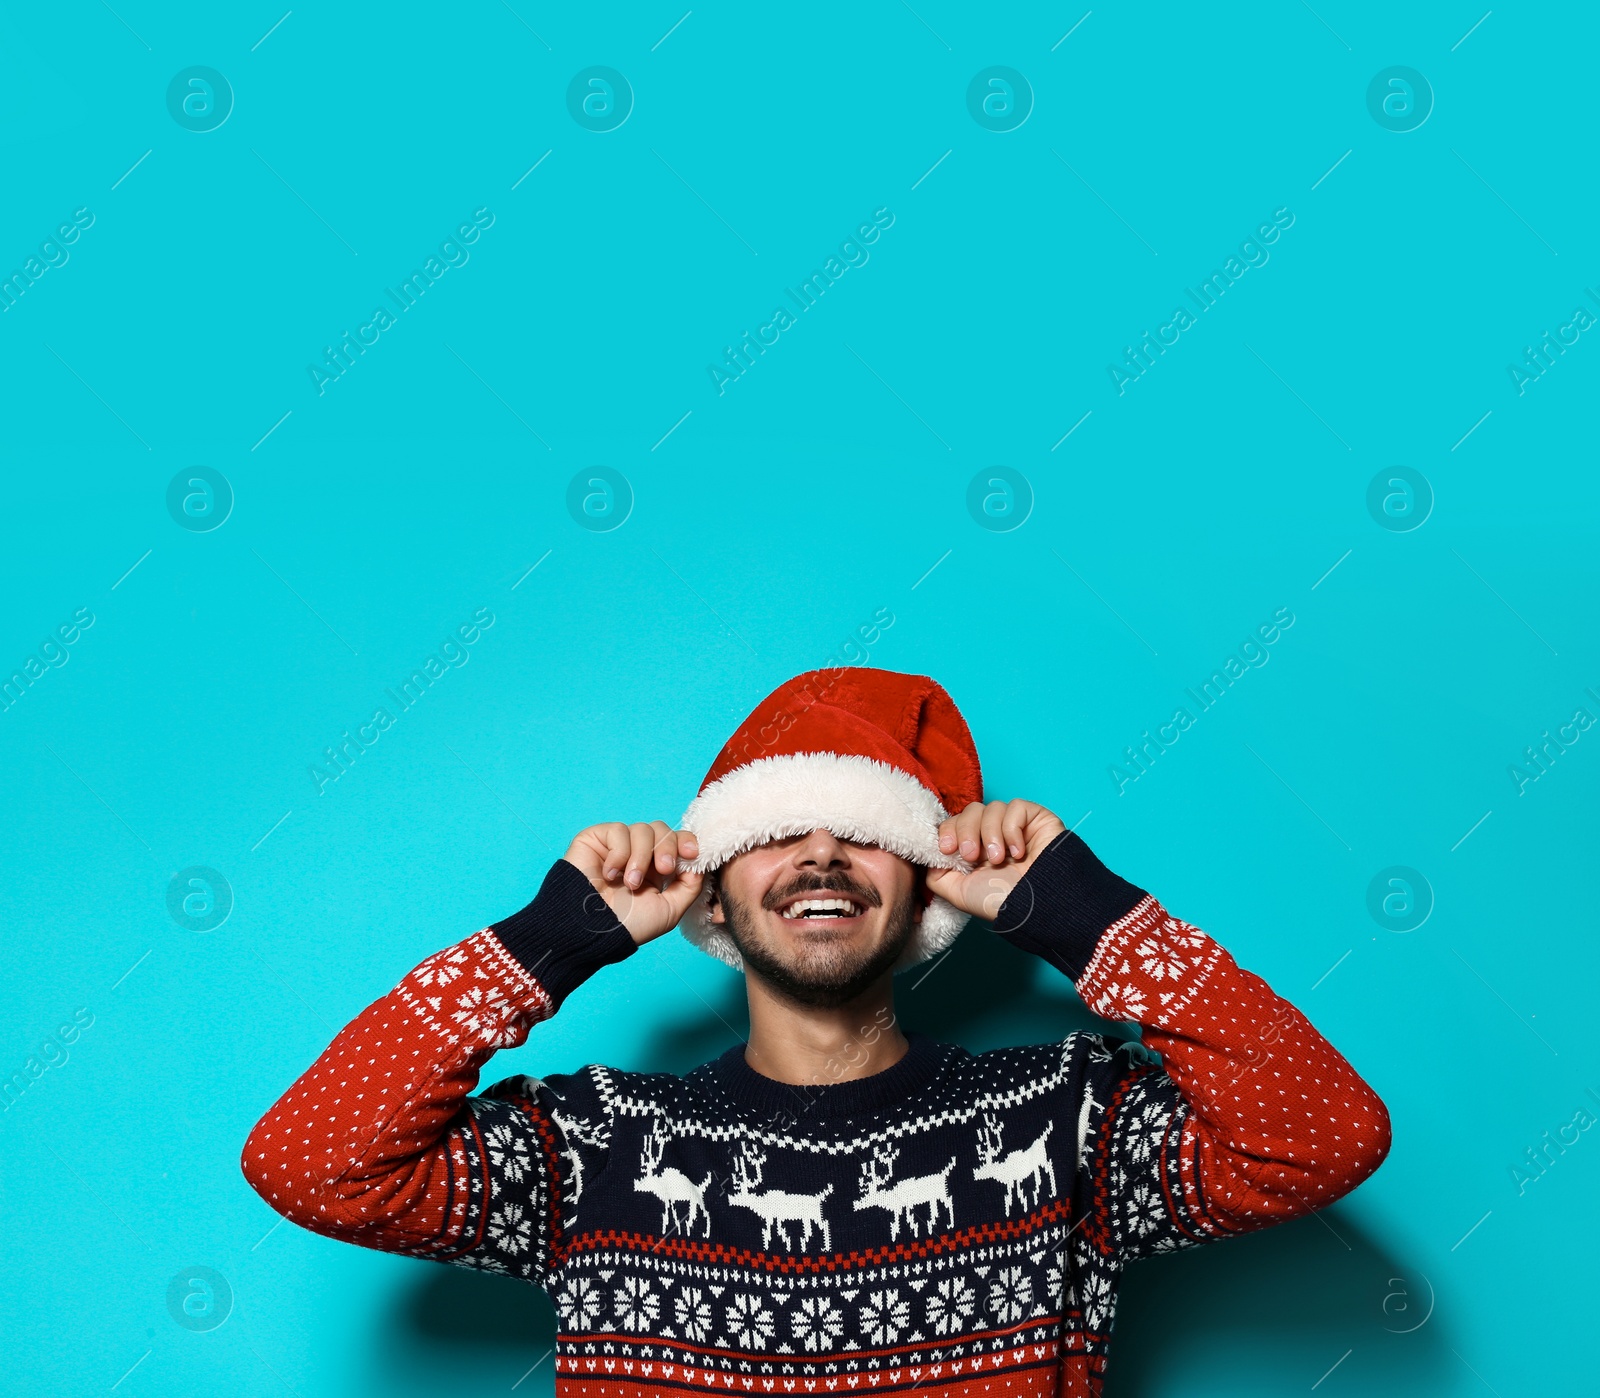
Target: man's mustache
{"type": "Point", "coordinates": [840, 883]}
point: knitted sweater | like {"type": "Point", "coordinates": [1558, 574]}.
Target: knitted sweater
{"type": "Point", "coordinates": [956, 1224]}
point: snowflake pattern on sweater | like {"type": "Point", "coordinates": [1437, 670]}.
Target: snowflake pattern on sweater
{"type": "Point", "coordinates": [956, 1224]}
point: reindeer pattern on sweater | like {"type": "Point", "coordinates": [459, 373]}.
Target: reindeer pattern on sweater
{"type": "Point", "coordinates": [954, 1225]}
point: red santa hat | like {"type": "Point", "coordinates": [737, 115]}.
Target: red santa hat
{"type": "Point", "coordinates": [876, 757]}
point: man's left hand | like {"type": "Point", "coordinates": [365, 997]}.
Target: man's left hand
{"type": "Point", "coordinates": [1002, 839]}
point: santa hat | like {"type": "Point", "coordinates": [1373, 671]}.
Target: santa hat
{"type": "Point", "coordinates": [875, 757]}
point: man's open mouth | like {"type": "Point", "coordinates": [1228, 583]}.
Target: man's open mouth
{"type": "Point", "coordinates": [813, 907]}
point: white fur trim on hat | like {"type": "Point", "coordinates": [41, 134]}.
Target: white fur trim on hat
{"type": "Point", "coordinates": [857, 798]}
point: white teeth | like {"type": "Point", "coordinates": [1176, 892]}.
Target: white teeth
{"type": "Point", "coordinates": [841, 907]}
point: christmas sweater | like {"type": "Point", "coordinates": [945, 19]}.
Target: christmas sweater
{"type": "Point", "coordinates": [955, 1224]}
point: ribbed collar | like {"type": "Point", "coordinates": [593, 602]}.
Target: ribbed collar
{"type": "Point", "coordinates": [923, 1060]}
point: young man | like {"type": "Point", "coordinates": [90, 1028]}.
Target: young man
{"type": "Point", "coordinates": [835, 1206]}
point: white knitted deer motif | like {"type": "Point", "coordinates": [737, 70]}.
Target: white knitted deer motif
{"type": "Point", "coordinates": [1017, 1169]}
{"type": "Point", "coordinates": [777, 1208]}
{"type": "Point", "coordinates": [906, 1196]}
{"type": "Point", "coordinates": [576, 1130]}
{"type": "Point", "coordinates": [1089, 1104]}
{"type": "Point", "coordinates": [671, 1186]}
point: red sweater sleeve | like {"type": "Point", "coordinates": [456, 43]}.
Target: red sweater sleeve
{"type": "Point", "coordinates": [1278, 1123]}
{"type": "Point", "coordinates": [1252, 1117]}
{"type": "Point", "coordinates": [378, 1142]}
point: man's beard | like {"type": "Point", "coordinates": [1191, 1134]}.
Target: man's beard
{"type": "Point", "coordinates": [839, 973]}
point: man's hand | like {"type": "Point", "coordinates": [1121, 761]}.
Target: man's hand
{"type": "Point", "coordinates": [1002, 839]}
{"type": "Point", "coordinates": [634, 868]}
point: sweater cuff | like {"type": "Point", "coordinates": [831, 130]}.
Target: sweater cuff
{"type": "Point", "coordinates": [566, 934]}
{"type": "Point", "coordinates": [1064, 904]}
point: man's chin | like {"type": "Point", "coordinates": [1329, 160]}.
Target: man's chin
{"type": "Point", "coordinates": [823, 959]}
{"type": "Point", "coordinates": [820, 982]}
{"type": "Point", "coordinates": [821, 967]}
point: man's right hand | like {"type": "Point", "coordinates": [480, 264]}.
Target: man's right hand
{"type": "Point", "coordinates": [635, 869]}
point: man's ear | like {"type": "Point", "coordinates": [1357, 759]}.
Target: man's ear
{"type": "Point", "coordinates": [717, 917]}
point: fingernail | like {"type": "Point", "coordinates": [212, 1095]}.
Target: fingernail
{"type": "Point", "coordinates": [613, 873]}
{"type": "Point", "coordinates": [995, 851]}
{"type": "Point", "coordinates": [633, 878]}
{"type": "Point", "coordinates": [1017, 851]}
{"type": "Point", "coordinates": [970, 849]}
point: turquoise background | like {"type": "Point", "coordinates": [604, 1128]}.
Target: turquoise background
{"type": "Point", "coordinates": [768, 524]}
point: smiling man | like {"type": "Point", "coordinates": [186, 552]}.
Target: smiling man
{"type": "Point", "coordinates": [835, 1205]}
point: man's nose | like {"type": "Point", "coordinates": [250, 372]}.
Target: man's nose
{"type": "Point", "coordinates": [822, 849]}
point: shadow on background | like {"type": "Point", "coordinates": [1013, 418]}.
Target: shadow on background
{"type": "Point", "coordinates": [1290, 1301]}
{"type": "Point", "coordinates": [456, 1330]}
{"type": "Point", "coordinates": [1274, 1312]}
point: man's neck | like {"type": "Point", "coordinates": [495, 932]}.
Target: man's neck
{"type": "Point", "coordinates": [809, 1046]}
